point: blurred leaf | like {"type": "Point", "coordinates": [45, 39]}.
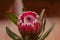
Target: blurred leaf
{"type": "Point", "coordinates": [47, 32]}
{"type": "Point", "coordinates": [44, 24]}
{"type": "Point", "coordinates": [41, 32]}
{"type": "Point", "coordinates": [42, 29]}
{"type": "Point", "coordinates": [42, 14]}
{"type": "Point", "coordinates": [13, 18]}
{"type": "Point", "coordinates": [41, 21]}
{"type": "Point", "coordinates": [12, 35]}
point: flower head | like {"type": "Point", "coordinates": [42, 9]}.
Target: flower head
{"type": "Point", "coordinates": [29, 23]}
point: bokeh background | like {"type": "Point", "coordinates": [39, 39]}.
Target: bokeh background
{"type": "Point", "coordinates": [15, 6]}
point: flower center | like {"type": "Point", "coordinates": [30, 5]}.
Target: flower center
{"type": "Point", "coordinates": [29, 19]}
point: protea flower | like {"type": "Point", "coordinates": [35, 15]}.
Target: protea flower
{"type": "Point", "coordinates": [29, 25]}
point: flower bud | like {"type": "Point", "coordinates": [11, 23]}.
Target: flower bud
{"type": "Point", "coordinates": [29, 24]}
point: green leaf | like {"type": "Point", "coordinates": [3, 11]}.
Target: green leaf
{"type": "Point", "coordinates": [12, 35]}
{"type": "Point", "coordinates": [42, 14]}
{"type": "Point", "coordinates": [42, 19]}
{"type": "Point", "coordinates": [42, 29]}
{"type": "Point", "coordinates": [12, 17]}
{"type": "Point", "coordinates": [44, 24]}
{"type": "Point", "coordinates": [47, 32]}
{"type": "Point", "coordinates": [41, 22]}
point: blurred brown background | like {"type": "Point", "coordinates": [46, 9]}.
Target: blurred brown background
{"type": "Point", "coordinates": [4, 7]}
{"type": "Point", "coordinates": [52, 11]}
{"type": "Point", "coordinates": [52, 6]}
